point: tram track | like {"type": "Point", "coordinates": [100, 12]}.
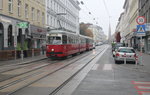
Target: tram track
{"type": "Point", "coordinates": [40, 74]}
{"type": "Point", "coordinates": [69, 79]}
{"type": "Point", "coordinates": [28, 71]}
{"type": "Point", "coordinates": [17, 66]}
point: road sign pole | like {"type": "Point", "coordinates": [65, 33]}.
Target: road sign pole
{"type": "Point", "coordinates": [141, 32]}
{"type": "Point", "coordinates": [141, 63]}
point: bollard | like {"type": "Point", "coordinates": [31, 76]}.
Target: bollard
{"type": "Point", "coordinates": [15, 54]}
{"type": "Point", "coordinates": [32, 52]}
{"type": "Point", "coordinates": [22, 55]}
{"type": "Point", "coordinates": [125, 60]}
{"type": "Point", "coordinates": [136, 60]}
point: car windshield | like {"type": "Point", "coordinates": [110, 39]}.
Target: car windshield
{"type": "Point", "coordinates": [124, 50]}
{"type": "Point", "coordinates": [54, 40]}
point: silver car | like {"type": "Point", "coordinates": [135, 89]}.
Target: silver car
{"type": "Point", "coordinates": [125, 53]}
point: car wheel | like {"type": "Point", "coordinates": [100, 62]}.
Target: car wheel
{"type": "Point", "coordinates": [116, 62]}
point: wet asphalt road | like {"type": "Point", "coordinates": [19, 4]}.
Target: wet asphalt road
{"type": "Point", "coordinates": [103, 77]}
{"type": "Point", "coordinates": [114, 79]}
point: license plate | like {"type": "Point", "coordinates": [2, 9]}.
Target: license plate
{"type": "Point", "coordinates": [125, 56]}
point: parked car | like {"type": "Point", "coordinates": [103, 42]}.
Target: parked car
{"type": "Point", "coordinates": [125, 52]}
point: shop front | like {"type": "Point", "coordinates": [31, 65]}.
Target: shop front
{"type": "Point", "coordinates": [12, 36]}
{"type": "Point", "coordinates": [38, 39]}
{"type": "Point", "coordinates": [7, 30]}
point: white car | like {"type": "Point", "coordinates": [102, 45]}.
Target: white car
{"type": "Point", "coordinates": [127, 53]}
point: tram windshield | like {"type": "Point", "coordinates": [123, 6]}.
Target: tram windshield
{"type": "Point", "coordinates": [54, 40]}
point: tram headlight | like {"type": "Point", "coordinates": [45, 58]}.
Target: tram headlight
{"type": "Point", "coordinates": [52, 49]}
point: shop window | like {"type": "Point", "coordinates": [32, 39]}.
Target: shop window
{"type": "Point", "coordinates": [1, 36]}
{"type": "Point", "coordinates": [19, 36]}
{"type": "Point", "coordinates": [10, 37]}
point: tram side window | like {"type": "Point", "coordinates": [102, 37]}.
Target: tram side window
{"type": "Point", "coordinates": [64, 39]}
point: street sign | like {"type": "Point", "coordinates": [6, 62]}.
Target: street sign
{"type": "Point", "coordinates": [147, 27]}
{"type": "Point", "coordinates": [140, 30]}
{"type": "Point", "coordinates": [141, 20]}
{"type": "Point", "coordinates": [23, 25]}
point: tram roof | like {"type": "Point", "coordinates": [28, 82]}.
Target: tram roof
{"type": "Point", "coordinates": [64, 31]}
{"type": "Point", "coordinates": [61, 31]}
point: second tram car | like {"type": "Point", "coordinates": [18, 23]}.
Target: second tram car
{"type": "Point", "coordinates": [61, 44]}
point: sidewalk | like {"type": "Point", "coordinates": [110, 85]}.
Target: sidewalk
{"type": "Point", "coordinates": [24, 61]}
{"type": "Point", "coordinates": [145, 61]}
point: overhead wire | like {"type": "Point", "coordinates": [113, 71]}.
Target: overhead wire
{"type": "Point", "coordinates": [89, 12]}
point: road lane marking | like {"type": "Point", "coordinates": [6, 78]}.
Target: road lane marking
{"type": "Point", "coordinates": [144, 92]}
{"type": "Point", "coordinates": [141, 83]}
{"type": "Point", "coordinates": [95, 67]}
{"type": "Point", "coordinates": [142, 87]}
{"type": "Point", "coordinates": [107, 67]}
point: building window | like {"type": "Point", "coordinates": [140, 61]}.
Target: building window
{"type": "Point", "coordinates": [47, 19]}
{"type": "Point", "coordinates": [32, 13]}
{"type": "Point", "coordinates": [51, 22]}
{"type": "Point", "coordinates": [38, 15]}
{"type": "Point", "coordinates": [19, 8]}
{"type": "Point", "coordinates": [10, 6]}
{"type": "Point", "coordinates": [26, 10]}
{"type": "Point", "coordinates": [1, 4]}
{"type": "Point", "coordinates": [43, 19]}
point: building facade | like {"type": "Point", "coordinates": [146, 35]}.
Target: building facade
{"type": "Point", "coordinates": [127, 23]}
{"type": "Point", "coordinates": [144, 10]}
{"type": "Point", "coordinates": [98, 34]}
{"type": "Point", "coordinates": [63, 13]}
{"type": "Point", "coordinates": [22, 22]}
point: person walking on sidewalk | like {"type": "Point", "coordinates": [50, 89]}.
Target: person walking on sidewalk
{"type": "Point", "coordinates": [43, 49]}
{"type": "Point", "coordinates": [25, 48]}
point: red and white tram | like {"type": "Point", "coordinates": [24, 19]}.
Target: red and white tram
{"type": "Point", "coordinates": [61, 43]}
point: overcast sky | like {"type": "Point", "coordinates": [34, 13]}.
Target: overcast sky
{"type": "Point", "coordinates": [98, 11]}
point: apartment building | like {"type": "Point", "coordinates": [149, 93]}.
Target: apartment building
{"type": "Point", "coordinates": [127, 23]}
{"type": "Point", "coordinates": [14, 14]}
{"type": "Point", "coordinates": [65, 11]}
{"type": "Point", "coordinates": [98, 34]}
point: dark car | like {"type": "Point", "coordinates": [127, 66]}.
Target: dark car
{"type": "Point", "coordinates": [116, 46]}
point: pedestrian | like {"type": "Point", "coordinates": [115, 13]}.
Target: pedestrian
{"type": "Point", "coordinates": [25, 48]}
{"type": "Point", "coordinates": [43, 49]}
